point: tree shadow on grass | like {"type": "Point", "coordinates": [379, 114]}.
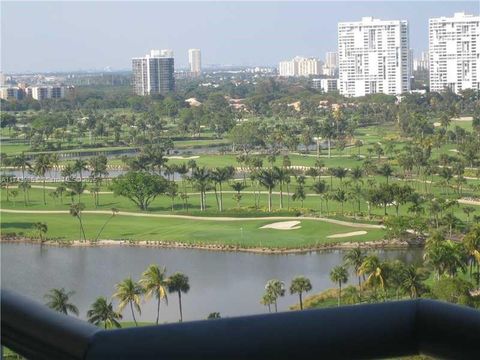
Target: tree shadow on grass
{"type": "Point", "coordinates": [18, 225]}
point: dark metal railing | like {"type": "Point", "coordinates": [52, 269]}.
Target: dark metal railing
{"type": "Point", "coordinates": [383, 330]}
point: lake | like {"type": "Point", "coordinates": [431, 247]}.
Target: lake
{"type": "Point", "coordinates": [226, 282]}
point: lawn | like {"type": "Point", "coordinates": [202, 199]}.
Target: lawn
{"type": "Point", "coordinates": [243, 233]}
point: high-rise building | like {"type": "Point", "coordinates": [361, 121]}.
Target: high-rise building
{"type": "Point", "coordinates": [154, 73]}
{"type": "Point", "coordinates": [331, 64]}
{"type": "Point", "coordinates": [373, 57]}
{"type": "Point", "coordinates": [454, 49]}
{"type": "Point", "coordinates": [421, 63]}
{"type": "Point", "coordinates": [331, 59]}
{"type": "Point", "coordinates": [195, 61]}
{"type": "Point", "coordinates": [300, 66]}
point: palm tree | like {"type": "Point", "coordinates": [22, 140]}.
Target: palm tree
{"type": "Point", "coordinates": [101, 312]}
{"type": "Point", "coordinates": [21, 161]}
{"type": "Point", "coordinates": [339, 275]}
{"type": "Point", "coordinates": [114, 213]}
{"type": "Point", "coordinates": [354, 258]}
{"type": "Point", "coordinates": [341, 196]}
{"type": "Point", "coordinates": [79, 166]}
{"type": "Point", "coordinates": [268, 299]}
{"type": "Point", "coordinates": [42, 229]}
{"type": "Point", "coordinates": [201, 178]}
{"type": "Point", "coordinates": [238, 187]}
{"type": "Point", "coordinates": [299, 285]}
{"type": "Point", "coordinates": [320, 188]}
{"type": "Point", "coordinates": [282, 175]}
{"type": "Point", "coordinates": [58, 300]}
{"type": "Point", "coordinates": [129, 293]}
{"type": "Point", "coordinates": [373, 269]}
{"type": "Point", "coordinates": [155, 282]}
{"type": "Point", "coordinates": [60, 190]}
{"type": "Point", "coordinates": [178, 283]}
{"type": "Point", "coordinates": [42, 165]}
{"type": "Point", "coordinates": [220, 175]}
{"type": "Point", "coordinates": [78, 187]}
{"type": "Point", "coordinates": [276, 289]}
{"type": "Point", "coordinates": [268, 179]}
{"type": "Point", "coordinates": [299, 194]}
{"type": "Point", "coordinates": [25, 187]}
{"type": "Point", "coordinates": [76, 211]}
{"type": "Point", "coordinates": [412, 280]}
{"type": "Point", "coordinates": [386, 170]}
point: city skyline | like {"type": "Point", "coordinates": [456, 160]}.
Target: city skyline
{"type": "Point", "coordinates": [107, 43]}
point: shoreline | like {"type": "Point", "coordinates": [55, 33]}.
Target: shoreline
{"type": "Point", "coordinates": [380, 244]}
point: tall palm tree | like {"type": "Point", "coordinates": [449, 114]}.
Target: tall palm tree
{"type": "Point", "coordinates": [59, 300]}
{"type": "Point", "coordinates": [268, 179]}
{"type": "Point", "coordinates": [320, 188]}
{"type": "Point", "coordinates": [76, 211]}
{"type": "Point", "coordinates": [42, 165]}
{"type": "Point", "coordinates": [25, 187]}
{"type": "Point", "coordinates": [201, 178]}
{"type": "Point", "coordinates": [101, 312]}
{"type": "Point", "coordinates": [21, 162]}
{"type": "Point", "coordinates": [299, 285]}
{"type": "Point", "coordinates": [79, 166]}
{"type": "Point", "coordinates": [128, 292]}
{"type": "Point", "coordinates": [220, 175]}
{"type": "Point", "coordinates": [178, 283]}
{"type": "Point", "coordinates": [155, 282]}
{"type": "Point", "coordinates": [282, 174]}
{"type": "Point", "coordinates": [276, 289]}
{"type": "Point", "coordinates": [339, 275]}
{"type": "Point", "coordinates": [114, 213]}
{"type": "Point", "coordinates": [355, 258]}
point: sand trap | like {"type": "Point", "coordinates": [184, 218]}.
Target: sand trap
{"type": "Point", "coordinates": [342, 235]}
{"type": "Point", "coordinates": [437, 124]}
{"type": "Point", "coordinates": [453, 150]}
{"type": "Point", "coordinates": [284, 225]}
{"type": "Point", "coordinates": [463, 118]}
{"type": "Point", "coordinates": [469, 201]}
{"type": "Point", "coordinates": [183, 158]}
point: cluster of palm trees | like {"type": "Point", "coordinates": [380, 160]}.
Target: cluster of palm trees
{"type": "Point", "coordinates": [379, 280]}
{"type": "Point", "coordinates": [154, 283]}
{"type": "Point", "coordinates": [275, 289]}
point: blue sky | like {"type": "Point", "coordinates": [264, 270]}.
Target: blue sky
{"type": "Point", "coordinates": [64, 36]}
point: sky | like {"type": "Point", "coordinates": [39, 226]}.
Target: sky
{"type": "Point", "coordinates": [71, 36]}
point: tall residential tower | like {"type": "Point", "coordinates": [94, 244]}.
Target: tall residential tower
{"type": "Point", "coordinates": [454, 50]}
{"type": "Point", "coordinates": [153, 74]}
{"type": "Point", "coordinates": [373, 57]}
{"type": "Point", "coordinates": [195, 61]}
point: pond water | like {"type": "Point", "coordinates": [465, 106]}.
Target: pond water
{"type": "Point", "coordinates": [226, 282]}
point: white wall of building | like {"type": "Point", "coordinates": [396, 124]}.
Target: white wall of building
{"type": "Point", "coordinates": [454, 52]}
{"type": "Point", "coordinates": [373, 57]}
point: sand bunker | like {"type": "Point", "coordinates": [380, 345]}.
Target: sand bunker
{"type": "Point", "coordinates": [437, 124]}
{"type": "Point", "coordinates": [183, 158]}
{"type": "Point", "coordinates": [463, 118]}
{"type": "Point", "coordinates": [284, 225]}
{"type": "Point", "coordinates": [342, 235]}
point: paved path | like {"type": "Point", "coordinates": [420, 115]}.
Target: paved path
{"type": "Point", "coordinates": [200, 218]}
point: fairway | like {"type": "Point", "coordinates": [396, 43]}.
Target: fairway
{"type": "Point", "coordinates": [241, 233]}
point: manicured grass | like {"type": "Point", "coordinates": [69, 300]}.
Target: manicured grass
{"type": "Point", "coordinates": [199, 232]}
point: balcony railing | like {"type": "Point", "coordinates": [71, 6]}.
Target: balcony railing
{"type": "Point", "coordinates": [383, 330]}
